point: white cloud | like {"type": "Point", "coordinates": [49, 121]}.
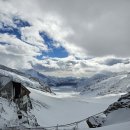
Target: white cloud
{"type": "Point", "coordinates": [72, 66]}
{"type": "Point", "coordinates": [31, 36]}
{"type": "Point", "coordinates": [16, 54]}
{"type": "Point", "coordinates": [84, 28]}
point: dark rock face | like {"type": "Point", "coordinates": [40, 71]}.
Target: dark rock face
{"type": "Point", "coordinates": [125, 97]}
{"type": "Point", "coordinates": [98, 121]}
{"type": "Point", "coordinates": [95, 121]}
{"type": "Point", "coordinates": [123, 102]}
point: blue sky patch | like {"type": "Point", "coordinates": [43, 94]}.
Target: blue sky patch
{"type": "Point", "coordinates": [47, 39]}
{"type": "Point", "coordinates": [21, 23]}
{"type": "Point", "coordinates": [14, 30]}
{"type": "Point", "coordinates": [4, 43]}
{"type": "Point", "coordinates": [10, 30]}
{"type": "Point", "coordinates": [54, 51]}
{"type": "Point", "coordinates": [59, 52]}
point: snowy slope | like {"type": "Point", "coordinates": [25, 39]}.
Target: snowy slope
{"type": "Point", "coordinates": [119, 126]}
{"type": "Point", "coordinates": [114, 84]}
{"type": "Point", "coordinates": [51, 109]}
{"type": "Point", "coordinates": [9, 116]}
{"type": "Point", "coordinates": [66, 107]}
{"type": "Point", "coordinates": [42, 79]}
{"type": "Point", "coordinates": [85, 83]}
{"type": "Point", "coordinates": [61, 110]}
{"type": "Point", "coordinates": [25, 79]}
{"type": "Point", "coordinates": [117, 112]}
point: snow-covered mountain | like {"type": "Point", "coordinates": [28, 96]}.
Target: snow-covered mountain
{"type": "Point", "coordinates": [50, 110]}
{"type": "Point", "coordinates": [24, 78]}
{"type": "Point", "coordinates": [86, 82]}
{"type": "Point", "coordinates": [53, 81]}
{"type": "Point", "coordinates": [115, 83]}
{"type": "Point", "coordinates": [99, 84]}
{"type": "Point", "coordinates": [42, 79]}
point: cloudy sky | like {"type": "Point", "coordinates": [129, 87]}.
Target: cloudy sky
{"type": "Point", "coordinates": [65, 37]}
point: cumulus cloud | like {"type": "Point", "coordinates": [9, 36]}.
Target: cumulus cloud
{"type": "Point", "coordinates": [89, 30]}
{"type": "Point", "coordinates": [16, 53]}
{"type": "Point", "coordinates": [72, 66]}
{"type": "Point", "coordinates": [100, 27]}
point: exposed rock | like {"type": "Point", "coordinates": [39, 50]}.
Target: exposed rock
{"type": "Point", "coordinates": [98, 121]}
{"type": "Point", "coordinates": [123, 102]}
{"type": "Point", "coordinates": [95, 121]}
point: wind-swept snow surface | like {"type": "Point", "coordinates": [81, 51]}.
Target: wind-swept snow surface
{"type": "Point", "coordinates": [51, 110]}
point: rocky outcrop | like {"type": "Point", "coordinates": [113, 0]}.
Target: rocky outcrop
{"type": "Point", "coordinates": [123, 102]}
{"type": "Point", "coordinates": [95, 121]}
{"type": "Point", "coordinates": [99, 120]}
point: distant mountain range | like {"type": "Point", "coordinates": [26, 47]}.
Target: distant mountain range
{"type": "Point", "coordinates": [98, 84]}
